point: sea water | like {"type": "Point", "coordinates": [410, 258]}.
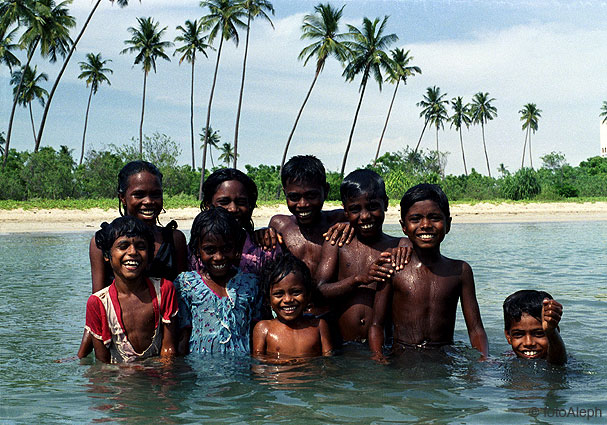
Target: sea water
{"type": "Point", "coordinates": [46, 282]}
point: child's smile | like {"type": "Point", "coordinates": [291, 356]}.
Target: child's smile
{"type": "Point", "coordinates": [528, 338]}
{"type": "Point", "coordinates": [288, 297]}
{"type": "Point", "coordinates": [304, 201]}
{"type": "Point", "coordinates": [143, 197]}
{"type": "Point", "coordinates": [425, 224]}
{"type": "Point", "coordinates": [365, 215]}
{"type": "Point", "coordinates": [218, 256]}
{"type": "Point", "coordinates": [232, 195]}
{"type": "Point", "coordinates": [129, 257]}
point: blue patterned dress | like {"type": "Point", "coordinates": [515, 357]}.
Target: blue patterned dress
{"type": "Point", "coordinates": [219, 325]}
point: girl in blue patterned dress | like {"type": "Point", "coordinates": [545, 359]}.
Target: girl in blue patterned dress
{"type": "Point", "coordinates": [218, 305]}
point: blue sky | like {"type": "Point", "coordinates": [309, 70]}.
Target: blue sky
{"type": "Point", "coordinates": [552, 53]}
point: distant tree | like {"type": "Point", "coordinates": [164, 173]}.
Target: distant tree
{"type": "Point", "coordinates": [553, 161]}
{"type": "Point", "coordinates": [2, 142]}
{"type": "Point", "coordinates": [30, 89]}
{"type": "Point", "coordinates": [432, 104]}
{"type": "Point", "coordinates": [7, 57]}
{"type": "Point", "coordinates": [503, 170]}
{"type": "Point", "coordinates": [223, 20]}
{"type": "Point", "coordinates": [459, 117]}
{"type": "Point", "coordinates": [93, 71]}
{"type": "Point", "coordinates": [254, 9]}
{"type": "Point", "coordinates": [146, 42]}
{"type": "Point", "coordinates": [397, 72]}
{"type": "Point", "coordinates": [367, 57]}
{"type": "Point", "coordinates": [227, 153]}
{"type": "Point", "coordinates": [213, 139]}
{"type": "Point", "coordinates": [482, 111]}
{"type": "Point", "coordinates": [530, 115]}
{"type": "Point", "coordinates": [323, 28]}
{"type": "Point", "coordinates": [604, 112]}
{"type": "Point", "coordinates": [193, 41]}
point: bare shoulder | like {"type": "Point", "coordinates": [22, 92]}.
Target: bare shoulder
{"type": "Point", "coordinates": [178, 236]}
{"type": "Point", "coordinates": [262, 326]}
{"type": "Point", "coordinates": [334, 216]}
{"type": "Point", "coordinates": [281, 222]}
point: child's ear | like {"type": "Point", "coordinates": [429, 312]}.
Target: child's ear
{"type": "Point", "coordinates": [106, 257]}
{"type": "Point", "coordinates": [402, 224]}
{"type": "Point", "coordinates": [508, 337]}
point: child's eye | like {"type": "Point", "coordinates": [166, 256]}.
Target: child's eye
{"type": "Point", "coordinates": [277, 294]}
{"type": "Point", "coordinates": [242, 202]}
{"type": "Point", "coordinates": [223, 201]}
{"type": "Point", "coordinates": [539, 334]}
{"type": "Point", "coordinates": [209, 250]}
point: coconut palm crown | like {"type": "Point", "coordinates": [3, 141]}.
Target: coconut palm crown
{"type": "Point", "coordinates": [482, 111]}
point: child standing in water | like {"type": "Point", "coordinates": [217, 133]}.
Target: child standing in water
{"type": "Point", "coordinates": [531, 322]}
{"type": "Point", "coordinates": [133, 317]}
{"type": "Point", "coordinates": [288, 287]}
{"type": "Point", "coordinates": [219, 304]}
{"type": "Point", "coordinates": [423, 297]}
{"type": "Point", "coordinates": [140, 196]}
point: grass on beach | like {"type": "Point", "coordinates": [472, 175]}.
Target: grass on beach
{"type": "Point", "coordinates": [176, 202]}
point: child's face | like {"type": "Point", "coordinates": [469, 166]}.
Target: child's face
{"type": "Point", "coordinates": [305, 201]}
{"type": "Point", "coordinates": [288, 297]}
{"type": "Point", "coordinates": [366, 215]}
{"type": "Point", "coordinates": [232, 195]}
{"type": "Point", "coordinates": [143, 197]}
{"type": "Point", "coordinates": [425, 224]}
{"type": "Point", "coordinates": [528, 338]}
{"type": "Point", "coordinates": [129, 257]}
{"type": "Point", "coordinates": [218, 255]}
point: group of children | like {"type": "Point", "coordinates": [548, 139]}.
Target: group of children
{"type": "Point", "coordinates": [307, 283]}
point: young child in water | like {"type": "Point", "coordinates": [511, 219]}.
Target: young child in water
{"type": "Point", "coordinates": [531, 320]}
{"type": "Point", "coordinates": [133, 317]}
{"type": "Point", "coordinates": [288, 287]}
{"type": "Point", "coordinates": [218, 305]}
{"type": "Point", "coordinates": [140, 195]}
{"type": "Point", "coordinates": [347, 276]}
{"type": "Point", "coordinates": [423, 297]}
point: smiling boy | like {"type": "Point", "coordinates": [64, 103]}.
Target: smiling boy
{"type": "Point", "coordinates": [531, 321]}
{"type": "Point", "coordinates": [347, 276]}
{"type": "Point", "coordinates": [423, 297]}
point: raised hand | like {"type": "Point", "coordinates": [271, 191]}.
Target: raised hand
{"type": "Point", "coordinates": [267, 238]}
{"type": "Point", "coordinates": [340, 233]}
{"type": "Point", "coordinates": [551, 314]}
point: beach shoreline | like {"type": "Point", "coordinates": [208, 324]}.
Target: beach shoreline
{"type": "Point", "coordinates": [64, 220]}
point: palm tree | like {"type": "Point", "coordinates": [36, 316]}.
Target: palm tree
{"type": "Point", "coordinates": [461, 115]}
{"type": "Point", "coordinates": [121, 3]}
{"type": "Point", "coordinates": [367, 57]}
{"type": "Point", "coordinates": [322, 26]}
{"type": "Point", "coordinates": [193, 41]}
{"type": "Point", "coordinates": [530, 115]}
{"type": "Point", "coordinates": [439, 116]}
{"type": "Point", "coordinates": [397, 72]}
{"type": "Point", "coordinates": [6, 46]}
{"type": "Point", "coordinates": [227, 154]}
{"type": "Point", "coordinates": [604, 112]}
{"type": "Point", "coordinates": [432, 104]}
{"type": "Point", "coordinates": [482, 111]}
{"type": "Point", "coordinates": [223, 18]}
{"type": "Point", "coordinates": [254, 9]}
{"type": "Point", "coordinates": [147, 43]}
{"type": "Point", "coordinates": [2, 142]}
{"type": "Point", "coordinates": [93, 70]}
{"type": "Point", "coordinates": [213, 139]}
{"type": "Point", "coordinates": [30, 89]}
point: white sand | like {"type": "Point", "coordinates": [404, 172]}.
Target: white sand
{"type": "Point", "coordinates": [58, 220]}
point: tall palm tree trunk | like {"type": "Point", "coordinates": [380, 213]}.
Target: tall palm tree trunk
{"type": "Point", "coordinates": [437, 141]}
{"type": "Point", "coordinates": [86, 120]}
{"type": "Point", "coordinates": [244, 68]}
{"type": "Point", "coordinates": [485, 147]}
{"type": "Point", "coordinates": [192, 114]}
{"type": "Point", "coordinates": [343, 163]}
{"type": "Point", "coordinates": [381, 138]}
{"type": "Point", "coordinates": [32, 120]}
{"type": "Point", "coordinates": [524, 146]}
{"type": "Point", "coordinates": [206, 131]}
{"type": "Point", "coordinates": [461, 142]}
{"type": "Point", "coordinates": [67, 59]}
{"type": "Point", "coordinates": [421, 135]}
{"type": "Point", "coordinates": [15, 101]}
{"type": "Point", "coordinates": [145, 78]}
{"type": "Point", "coordinates": [284, 155]}
{"type": "Point", "coordinates": [530, 157]}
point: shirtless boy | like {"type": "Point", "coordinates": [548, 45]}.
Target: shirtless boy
{"type": "Point", "coordinates": [304, 183]}
{"type": "Point", "coordinates": [288, 286]}
{"type": "Point", "coordinates": [423, 297]}
{"type": "Point", "coordinates": [347, 276]}
{"type": "Point", "coordinates": [531, 320]}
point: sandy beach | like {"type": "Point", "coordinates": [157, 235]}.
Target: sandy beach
{"type": "Point", "coordinates": [59, 220]}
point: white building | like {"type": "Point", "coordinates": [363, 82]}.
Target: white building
{"type": "Point", "coordinates": [603, 139]}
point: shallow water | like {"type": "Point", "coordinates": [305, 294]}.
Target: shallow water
{"type": "Point", "coordinates": [46, 283]}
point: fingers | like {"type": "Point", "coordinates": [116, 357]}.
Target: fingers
{"type": "Point", "coordinates": [350, 231]}
{"type": "Point", "coordinates": [400, 257]}
{"type": "Point", "coordinates": [333, 234]}
{"type": "Point", "coordinates": [551, 313]}
{"type": "Point", "coordinates": [378, 273]}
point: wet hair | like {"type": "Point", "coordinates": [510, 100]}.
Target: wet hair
{"type": "Point", "coordinates": [525, 301]}
{"type": "Point", "coordinates": [218, 222]}
{"type": "Point", "coordinates": [123, 226]}
{"type": "Point", "coordinates": [424, 192]}
{"type": "Point", "coordinates": [363, 182]}
{"type": "Point", "coordinates": [304, 169]}
{"type": "Point", "coordinates": [278, 268]}
{"type": "Point", "coordinates": [211, 184]}
{"type": "Point", "coordinates": [134, 167]}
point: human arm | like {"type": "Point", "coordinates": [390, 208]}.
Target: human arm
{"type": "Point", "coordinates": [260, 332]}
{"type": "Point", "coordinates": [551, 316]}
{"type": "Point", "coordinates": [102, 353]}
{"type": "Point", "coordinates": [181, 251]}
{"type": "Point", "coordinates": [97, 267]}
{"type": "Point", "coordinates": [383, 296]}
{"type": "Point", "coordinates": [325, 337]}
{"type": "Point", "coordinates": [169, 308]}
{"type": "Point", "coordinates": [340, 233]}
{"type": "Point", "coordinates": [267, 238]}
{"type": "Point", "coordinates": [471, 311]}
{"type": "Point", "coordinates": [98, 328]}
{"type": "Point", "coordinates": [169, 333]}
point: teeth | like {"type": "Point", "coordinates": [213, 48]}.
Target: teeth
{"type": "Point", "coordinates": [289, 309]}
{"type": "Point", "coordinates": [305, 214]}
{"type": "Point", "coordinates": [219, 267]}
{"type": "Point", "coordinates": [366, 226]}
{"type": "Point", "coordinates": [131, 263]}
{"type": "Point", "coordinates": [530, 353]}
{"type": "Point", "coordinates": [147, 212]}
{"type": "Point", "coordinates": [426, 236]}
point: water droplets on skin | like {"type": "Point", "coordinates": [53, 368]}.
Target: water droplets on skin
{"type": "Point", "coordinates": [46, 281]}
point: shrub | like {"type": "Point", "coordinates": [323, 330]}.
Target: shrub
{"type": "Point", "coordinates": [522, 185]}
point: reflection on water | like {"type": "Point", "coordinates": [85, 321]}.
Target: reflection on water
{"type": "Point", "coordinates": [46, 281]}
